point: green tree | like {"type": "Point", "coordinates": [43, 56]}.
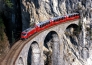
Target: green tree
{"type": "Point", "coordinates": [8, 3]}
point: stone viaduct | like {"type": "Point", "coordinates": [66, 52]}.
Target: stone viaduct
{"type": "Point", "coordinates": [46, 45]}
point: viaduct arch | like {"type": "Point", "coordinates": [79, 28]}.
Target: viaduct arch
{"type": "Point", "coordinates": [42, 43]}
{"type": "Point", "coordinates": [49, 41]}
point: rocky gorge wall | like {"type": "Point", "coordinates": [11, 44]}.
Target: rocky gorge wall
{"type": "Point", "coordinates": [30, 12]}
{"type": "Point", "coordinates": [40, 10]}
{"type": "Point", "coordinates": [76, 51]}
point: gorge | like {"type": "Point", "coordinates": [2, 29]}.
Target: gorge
{"type": "Point", "coordinates": [25, 13]}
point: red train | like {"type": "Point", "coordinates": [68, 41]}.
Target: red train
{"type": "Point", "coordinates": [48, 23]}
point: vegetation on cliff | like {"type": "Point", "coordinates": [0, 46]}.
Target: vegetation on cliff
{"type": "Point", "coordinates": [4, 43]}
{"type": "Point", "coordinates": [2, 27]}
{"type": "Point", "coordinates": [8, 3]}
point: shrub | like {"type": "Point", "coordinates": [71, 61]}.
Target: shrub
{"type": "Point", "coordinates": [8, 3]}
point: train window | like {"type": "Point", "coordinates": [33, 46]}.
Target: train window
{"type": "Point", "coordinates": [40, 26]}
{"type": "Point", "coordinates": [69, 16]}
{"type": "Point", "coordinates": [56, 20]}
{"type": "Point", "coordinates": [47, 23]}
{"type": "Point", "coordinates": [44, 24]}
{"type": "Point", "coordinates": [74, 14]}
{"type": "Point", "coordinates": [23, 34]}
{"type": "Point", "coordinates": [64, 17]}
{"type": "Point", "coordinates": [61, 18]}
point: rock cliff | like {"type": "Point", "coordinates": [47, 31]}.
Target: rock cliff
{"type": "Point", "coordinates": [76, 51]}
{"type": "Point", "coordinates": [40, 10]}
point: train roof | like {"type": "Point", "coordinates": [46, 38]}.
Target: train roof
{"type": "Point", "coordinates": [54, 18]}
{"type": "Point", "coordinates": [72, 14]}
{"type": "Point", "coordinates": [28, 29]}
{"type": "Point", "coordinates": [57, 17]}
{"type": "Point", "coordinates": [43, 22]}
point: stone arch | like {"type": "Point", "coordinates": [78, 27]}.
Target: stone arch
{"type": "Point", "coordinates": [34, 54]}
{"type": "Point", "coordinates": [51, 48]}
{"type": "Point", "coordinates": [72, 25]}
{"type": "Point", "coordinates": [20, 62]}
{"type": "Point", "coordinates": [72, 32]}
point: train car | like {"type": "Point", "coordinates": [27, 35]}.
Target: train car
{"type": "Point", "coordinates": [28, 32]}
{"type": "Point", "coordinates": [43, 25]}
{"type": "Point", "coordinates": [77, 16]}
{"type": "Point", "coordinates": [72, 16]}
{"type": "Point", "coordinates": [58, 20]}
{"type": "Point", "coordinates": [62, 19]}
{"type": "Point", "coordinates": [55, 20]}
{"type": "Point", "coordinates": [48, 23]}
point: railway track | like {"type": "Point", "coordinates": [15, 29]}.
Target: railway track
{"type": "Point", "coordinates": [11, 53]}
{"type": "Point", "coordinates": [16, 49]}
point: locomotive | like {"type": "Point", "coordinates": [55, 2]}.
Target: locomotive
{"type": "Point", "coordinates": [48, 23]}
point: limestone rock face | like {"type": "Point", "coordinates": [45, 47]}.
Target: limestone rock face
{"type": "Point", "coordinates": [34, 11]}
{"type": "Point", "coordinates": [75, 52]}
{"type": "Point", "coordinates": [40, 10]}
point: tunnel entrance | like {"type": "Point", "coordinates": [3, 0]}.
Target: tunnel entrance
{"type": "Point", "coordinates": [51, 49]}
{"type": "Point", "coordinates": [33, 54]}
{"type": "Point", "coordinates": [72, 32]}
